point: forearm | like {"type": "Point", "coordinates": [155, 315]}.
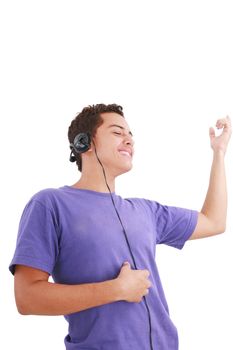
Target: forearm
{"type": "Point", "coordinates": [215, 205]}
{"type": "Point", "coordinates": [45, 298]}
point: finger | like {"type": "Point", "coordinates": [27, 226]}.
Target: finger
{"type": "Point", "coordinates": [229, 120]}
{"type": "Point", "coordinates": [212, 133]}
{"type": "Point", "coordinates": [220, 123]}
{"type": "Point", "coordinates": [149, 284]}
{"type": "Point", "coordinates": [126, 263]}
{"type": "Point", "coordinates": [224, 122]}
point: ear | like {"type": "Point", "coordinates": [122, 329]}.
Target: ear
{"type": "Point", "coordinates": [92, 148]}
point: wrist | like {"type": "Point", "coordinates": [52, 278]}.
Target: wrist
{"type": "Point", "coordinates": [117, 289]}
{"type": "Point", "coordinates": [219, 153]}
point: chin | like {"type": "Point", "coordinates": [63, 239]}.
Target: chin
{"type": "Point", "coordinates": [124, 170]}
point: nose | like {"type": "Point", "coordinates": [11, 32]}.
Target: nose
{"type": "Point", "coordinates": [129, 140]}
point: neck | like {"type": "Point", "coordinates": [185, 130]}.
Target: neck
{"type": "Point", "coordinates": [95, 181]}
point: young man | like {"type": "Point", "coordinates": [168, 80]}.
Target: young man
{"type": "Point", "coordinates": [100, 248]}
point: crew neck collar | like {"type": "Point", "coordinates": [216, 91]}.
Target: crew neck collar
{"type": "Point", "coordinates": [74, 189]}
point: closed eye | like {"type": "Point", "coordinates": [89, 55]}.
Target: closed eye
{"type": "Point", "coordinates": [118, 133]}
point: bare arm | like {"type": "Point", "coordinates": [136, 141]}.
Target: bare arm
{"type": "Point", "coordinates": [35, 295]}
{"type": "Point", "coordinates": [215, 205]}
{"type": "Point", "coordinates": [212, 218]}
{"type": "Point", "coordinates": [213, 215]}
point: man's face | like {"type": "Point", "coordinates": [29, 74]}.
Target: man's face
{"type": "Point", "coordinates": [114, 144]}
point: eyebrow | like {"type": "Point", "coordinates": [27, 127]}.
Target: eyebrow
{"type": "Point", "coordinates": [119, 126]}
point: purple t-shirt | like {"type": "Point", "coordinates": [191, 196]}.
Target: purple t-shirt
{"type": "Point", "coordinates": [76, 236]}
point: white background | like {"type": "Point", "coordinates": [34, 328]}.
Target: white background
{"type": "Point", "coordinates": [169, 64]}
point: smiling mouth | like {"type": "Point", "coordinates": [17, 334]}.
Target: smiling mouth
{"type": "Point", "coordinates": [126, 154]}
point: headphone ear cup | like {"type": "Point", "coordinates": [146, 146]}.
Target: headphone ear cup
{"type": "Point", "coordinates": [82, 142]}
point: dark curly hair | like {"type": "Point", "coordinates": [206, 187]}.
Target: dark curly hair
{"type": "Point", "coordinates": [88, 121]}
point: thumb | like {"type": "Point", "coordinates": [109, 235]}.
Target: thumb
{"type": "Point", "coordinates": [126, 263]}
{"type": "Point", "coordinates": [211, 133]}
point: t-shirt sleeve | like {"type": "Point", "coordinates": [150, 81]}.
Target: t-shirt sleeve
{"type": "Point", "coordinates": [37, 241]}
{"type": "Point", "coordinates": [174, 225]}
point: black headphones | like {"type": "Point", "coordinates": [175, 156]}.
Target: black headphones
{"type": "Point", "coordinates": [82, 143]}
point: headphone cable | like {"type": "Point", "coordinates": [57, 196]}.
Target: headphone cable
{"type": "Point", "coordinates": [151, 344]}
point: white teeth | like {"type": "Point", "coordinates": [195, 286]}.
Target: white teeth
{"type": "Point", "coordinates": [125, 153]}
